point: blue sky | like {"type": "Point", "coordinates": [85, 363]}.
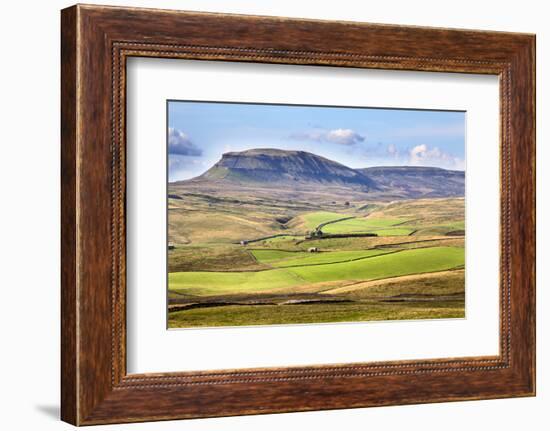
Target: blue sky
{"type": "Point", "coordinates": [200, 132]}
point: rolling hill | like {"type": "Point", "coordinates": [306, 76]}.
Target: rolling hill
{"type": "Point", "coordinates": [285, 168]}
{"type": "Point", "coordinates": [299, 173]}
{"type": "Point", "coordinates": [281, 237]}
{"type": "Point", "coordinates": [416, 181]}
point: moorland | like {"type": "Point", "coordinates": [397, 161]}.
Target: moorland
{"type": "Point", "coordinates": [284, 237]}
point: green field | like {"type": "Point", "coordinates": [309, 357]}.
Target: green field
{"type": "Point", "coordinates": [305, 258]}
{"type": "Point", "coordinates": [223, 283]}
{"type": "Point", "coordinates": [312, 220]}
{"type": "Point", "coordinates": [381, 227]}
{"type": "Point", "coordinates": [236, 315]}
{"type": "Point", "coordinates": [268, 255]}
{"type": "Point", "coordinates": [281, 239]}
{"type": "Point", "coordinates": [405, 262]}
{"type": "Point", "coordinates": [243, 261]}
{"type": "Point", "coordinates": [415, 261]}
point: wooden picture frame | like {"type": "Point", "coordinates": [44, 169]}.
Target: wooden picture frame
{"type": "Point", "coordinates": [95, 42]}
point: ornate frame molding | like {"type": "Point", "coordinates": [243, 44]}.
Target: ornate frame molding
{"type": "Point", "coordinates": [96, 41]}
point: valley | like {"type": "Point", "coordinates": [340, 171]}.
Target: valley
{"type": "Point", "coordinates": [276, 237]}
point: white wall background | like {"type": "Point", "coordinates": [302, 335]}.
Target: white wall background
{"type": "Point", "coordinates": [29, 215]}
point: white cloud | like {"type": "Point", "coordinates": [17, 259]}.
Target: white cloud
{"type": "Point", "coordinates": [335, 136]}
{"type": "Point", "coordinates": [423, 155]}
{"type": "Point", "coordinates": [344, 136]}
{"type": "Point", "coordinates": [418, 154]}
{"type": "Point", "coordinates": [180, 144]}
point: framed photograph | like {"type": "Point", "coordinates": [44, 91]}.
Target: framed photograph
{"type": "Point", "coordinates": [265, 215]}
{"type": "Point", "coordinates": [268, 224]}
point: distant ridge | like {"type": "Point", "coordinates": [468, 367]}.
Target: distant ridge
{"type": "Point", "coordinates": [417, 181]}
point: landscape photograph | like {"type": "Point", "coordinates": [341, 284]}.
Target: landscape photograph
{"type": "Point", "coordinates": [296, 214]}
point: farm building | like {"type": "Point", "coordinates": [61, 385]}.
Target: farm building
{"type": "Point", "coordinates": [317, 233]}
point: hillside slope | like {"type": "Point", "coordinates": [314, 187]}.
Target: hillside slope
{"type": "Point", "coordinates": [285, 167]}
{"type": "Point", "coordinates": [302, 175]}
{"type": "Point", "coordinates": [416, 181]}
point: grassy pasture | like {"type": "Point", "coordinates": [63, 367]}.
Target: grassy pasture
{"type": "Point", "coordinates": [281, 239]}
{"type": "Point", "coordinates": [211, 257]}
{"type": "Point", "coordinates": [312, 220]}
{"type": "Point", "coordinates": [392, 264]}
{"type": "Point", "coordinates": [237, 315]}
{"type": "Point", "coordinates": [422, 212]}
{"type": "Point", "coordinates": [270, 255]}
{"type": "Point", "coordinates": [305, 258]}
{"type": "Point", "coordinates": [442, 229]}
{"type": "Point", "coordinates": [382, 227]}
{"type": "Point", "coordinates": [431, 284]}
{"type": "Point", "coordinates": [223, 283]}
{"type": "Point", "coordinates": [406, 272]}
{"type": "Point", "coordinates": [371, 222]}
{"type": "Point", "coordinates": [217, 227]}
{"type": "Point", "coordinates": [411, 261]}
{"type": "Point", "coordinates": [396, 231]}
{"type": "Point", "coordinates": [363, 243]}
